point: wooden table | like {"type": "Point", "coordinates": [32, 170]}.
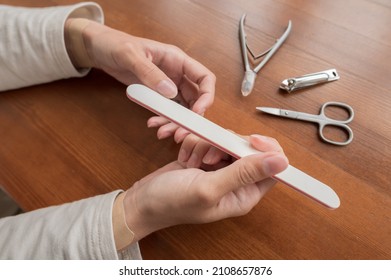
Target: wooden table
{"type": "Point", "coordinates": [77, 138]}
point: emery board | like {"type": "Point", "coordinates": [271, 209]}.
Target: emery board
{"type": "Point", "coordinates": [228, 142]}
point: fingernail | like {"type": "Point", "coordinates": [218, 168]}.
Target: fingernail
{"type": "Point", "coordinates": [274, 164]}
{"type": "Point", "coordinates": [152, 124]}
{"type": "Point", "coordinates": [260, 137]}
{"type": "Point", "coordinates": [162, 134]}
{"type": "Point", "coordinates": [210, 156]}
{"type": "Point", "coordinates": [167, 88]}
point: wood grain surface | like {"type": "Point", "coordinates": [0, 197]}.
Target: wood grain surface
{"type": "Point", "coordinates": [76, 138]}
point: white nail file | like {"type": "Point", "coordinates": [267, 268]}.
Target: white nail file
{"type": "Point", "coordinates": [228, 142]}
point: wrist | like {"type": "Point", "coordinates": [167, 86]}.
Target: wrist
{"type": "Point", "coordinates": [123, 236]}
{"type": "Point", "coordinates": [75, 42]}
{"type": "Point", "coordinates": [140, 217]}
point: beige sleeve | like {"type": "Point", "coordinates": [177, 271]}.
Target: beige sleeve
{"type": "Point", "coordinates": [77, 230]}
{"type": "Point", "coordinates": [32, 45]}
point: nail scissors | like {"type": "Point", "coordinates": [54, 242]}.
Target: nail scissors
{"type": "Point", "coordinates": [321, 119]}
{"type": "Point", "coordinates": [250, 74]}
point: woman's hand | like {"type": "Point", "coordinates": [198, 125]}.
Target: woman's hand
{"type": "Point", "coordinates": [176, 194]}
{"type": "Point", "coordinates": [196, 152]}
{"type": "Point", "coordinates": [162, 67]}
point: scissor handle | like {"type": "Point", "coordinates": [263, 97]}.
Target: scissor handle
{"type": "Point", "coordinates": [339, 143]}
{"type": "Point", "coordinates": [337, 104]}
{"type": "Point", "coordinates": [334, 122]}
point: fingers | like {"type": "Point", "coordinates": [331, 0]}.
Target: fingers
{"type": "Point", "coordinates": [157, 121]}
{"type": "Point", "coordinates": [151, 76]}
{"type": "Point", "coordinates": [180, 134]}
{"type": "Point", "coordinates": [120, 54]}
{"type": "Point", "coordinates": [265, 143]}
{"type": "Point", "coordinates": [166, 130]}
{"type": "Point", "coordinates": [246, 171]}
{"type": "Point", "coordinates": [206, 82]}
{"type": "Point", "coordinates": [194, 157]}
{"type": "Point", "coordinates": [152, 63]}
{"type": "Point", "coordinates": [187, 147]}
{"type": "Point", "coordinates": [196, 151]}
{"type": "Point", "coordinates": [157, 65]}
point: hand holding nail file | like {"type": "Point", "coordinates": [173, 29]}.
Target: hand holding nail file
{"type": "Point", "coordinates": [228, 142]}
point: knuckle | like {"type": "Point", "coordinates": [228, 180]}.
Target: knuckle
{"type": "Point", "coordinates": [192, 139]}
{"type": "Point", "coordinates": [145, 69]}
{"type": "Point", "coordinates": [176, 49]}
{"type": "Point", "coordinates": [246, 174]}
{"type": "Point", "coordinates": [132, 56]}
{"type": "Point", "coordinates": [212, 76]}
{"type": "Point", "coordinates": [123, 50]}
{"type": "Point", "coordinates": [245, 209]}
{"type": "Point", "coordinates": [206, 197]}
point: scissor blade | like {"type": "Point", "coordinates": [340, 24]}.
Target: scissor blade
{"type": "Point", "coordinates": [272, 111]}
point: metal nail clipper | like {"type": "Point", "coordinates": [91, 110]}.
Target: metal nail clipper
{"type": "Point", "coordinates": [250, 74]}
{"type": "Point", "coordinates": [304, 81]}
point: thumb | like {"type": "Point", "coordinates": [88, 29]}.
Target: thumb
{"type": "Point", "coordinates": [151, 76]}
{"type": "Point", "coordinates": [248, 170]}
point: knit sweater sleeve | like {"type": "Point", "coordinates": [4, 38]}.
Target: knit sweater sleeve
{"type": "Point", "coordinates": [77, 230]}
{"type": "Point", "coordinates": [32, 45]}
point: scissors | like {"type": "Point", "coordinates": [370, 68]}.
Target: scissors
{"type": "Point", "coordinates": [250, 74]}
{"type": "Point", "coordinates": [321, 119]}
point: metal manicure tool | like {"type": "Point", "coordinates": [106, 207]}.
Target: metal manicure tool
{"type": "Point", "coordinates": [250, 74]}
{"type": "Point", "coordinates": [304, 81]}
{"type": "Point", "coordinates": [321, 119]}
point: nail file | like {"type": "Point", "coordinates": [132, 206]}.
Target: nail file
{"type": "Point", "coordinates": [228, 142]}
